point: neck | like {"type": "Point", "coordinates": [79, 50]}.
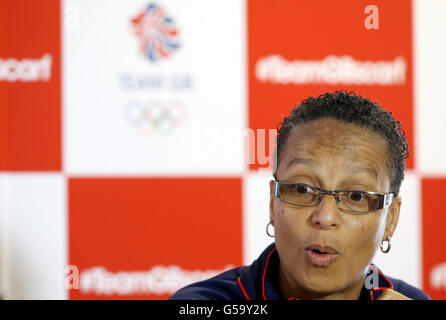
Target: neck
{"type": "Point", "coordinates": [290, 289]}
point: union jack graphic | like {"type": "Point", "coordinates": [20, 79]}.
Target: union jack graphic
{"type": "Point", "coordinates": [156, 31]}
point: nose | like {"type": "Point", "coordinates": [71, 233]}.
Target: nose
{"type": "Point", "coordinates": [326, 214]}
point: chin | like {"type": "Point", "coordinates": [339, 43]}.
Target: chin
{"type": "Point", "coordinates": [323, 280]}
{"type": "Point", "coordinates": [322, 285]}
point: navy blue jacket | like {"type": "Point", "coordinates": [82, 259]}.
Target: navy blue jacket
{"type": "Point", "coordinates": [258, 282]}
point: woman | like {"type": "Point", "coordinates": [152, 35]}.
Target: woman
{"type": "Point", "coordinates": [334, 202]}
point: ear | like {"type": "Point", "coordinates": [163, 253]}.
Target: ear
{"type": "Point", "coordinates": [392, 217]}
{"type": "Point", "coordinates": [271, 201]}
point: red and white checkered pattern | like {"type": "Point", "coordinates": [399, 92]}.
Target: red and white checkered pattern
{"type": "Point", "coordinates": [134, 173]}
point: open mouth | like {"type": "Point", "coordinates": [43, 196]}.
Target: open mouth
{"type": "Point", "coordinates": [321, 256]}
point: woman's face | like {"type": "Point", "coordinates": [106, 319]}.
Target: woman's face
{"type": "Point", "coordinates": [334, 156]}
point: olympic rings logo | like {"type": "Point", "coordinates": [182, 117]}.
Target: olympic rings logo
{"type": "Point", "coordinates": [155, 117]}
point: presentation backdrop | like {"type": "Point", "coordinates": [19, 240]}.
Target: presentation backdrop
{"type": "Point", "coordinates": [137, 138]}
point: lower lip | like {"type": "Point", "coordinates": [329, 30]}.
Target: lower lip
{"type": "Point", "coordinates": [321, 260]}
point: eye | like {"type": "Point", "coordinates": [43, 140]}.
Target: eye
{"type": "Point", "coordinates": [357, 196]}
{"type": "Point", "coordinates": [301, 188]}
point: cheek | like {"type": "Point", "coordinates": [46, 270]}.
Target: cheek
{"type": "Point", "coordinates": [288, 222]}
{"type": "Point", "coordinates": [290, 228]}
{"type": "Point", "coordinates": [364, 236]}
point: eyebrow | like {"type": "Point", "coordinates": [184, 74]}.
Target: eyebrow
{"type": "Point", "coordinates": [369, 171]}
{"type": "Point", "coordinates": [303, 161]}
{"type": "Point", "coordinates": [312, 163]}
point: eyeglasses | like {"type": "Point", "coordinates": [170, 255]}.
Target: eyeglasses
{"type": "Point", "coordinates": [359, 202]}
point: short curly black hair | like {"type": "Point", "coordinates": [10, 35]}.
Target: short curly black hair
{"type": "Point", "coordinates": [351, 108]}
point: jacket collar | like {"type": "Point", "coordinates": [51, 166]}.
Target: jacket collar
{"type": "Point", "coordinates": [259, 281]}
{"type": "Point", "coordinates": [375, 291]}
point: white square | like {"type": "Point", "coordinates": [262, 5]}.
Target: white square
{"type": "Point", "coordinates": [124, 114]}
{"type": "Point", "coordinates": [403, 261]}
{"type": "Point", "coordinates": [429, 86]}
{"type": "Point", "coordinates": [33, 235]}
{"type": "Point", "coordinates": [255, 215]}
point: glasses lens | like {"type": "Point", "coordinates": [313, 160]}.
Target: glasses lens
{"type": "Point", "coordinates": [299, 194]}
{"type": "Point", "coordinates": [357, 201]}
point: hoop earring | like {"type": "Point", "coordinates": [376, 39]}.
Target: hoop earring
{"type": "Point", "coordinates": [387, 249]}
{"type": "Point", "coordinates": [267, 230]}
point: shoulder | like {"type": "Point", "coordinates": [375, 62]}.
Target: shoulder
{"type": "Point", "coordinates": [236, 284]}
{"type": "Point", "coordinates": [408, 290]}
{"type": "Point", "coordinates": [221, 287]}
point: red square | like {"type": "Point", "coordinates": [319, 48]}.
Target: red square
{"type": "Point", "coordinates": [434, 238]}
{"type": "Point", "coordinates": [30, 89]}
{"type": "Point", "coordinates": [311, 31]}
{"type": "Point", "coordinates": [140, 225]}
